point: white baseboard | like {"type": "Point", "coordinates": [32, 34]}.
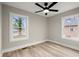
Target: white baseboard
{"type": "Point", "coordinates": [19, 47]}
{"type": "Point", "coordinates": [77, 48]}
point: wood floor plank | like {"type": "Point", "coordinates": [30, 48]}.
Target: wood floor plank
{"type": "Point", "coordinates": [65, 50]}
{"type": "Point", "coordinates": [46, 49]}
{"type": "Point", "coordinates": [53, 51]}
{"type": "Point", "coordinates": [62, 52]}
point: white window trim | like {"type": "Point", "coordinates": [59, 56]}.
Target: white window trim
{"type": "Point", "coordinates": [62, 33]}
{"type": "Point", "coordinates": [10, 27]}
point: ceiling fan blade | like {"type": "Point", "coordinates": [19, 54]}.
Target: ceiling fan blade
{"type": "Point", "coordinates": [39, 5]}
{"type": "Point", "coordinates": [39, 11]}
{"type": "Point", "coordinates": [53, 10]}
{"type": "Point", "coordinates": [52, 4]}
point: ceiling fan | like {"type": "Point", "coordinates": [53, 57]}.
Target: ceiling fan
{"type": "Point", "coordinates": [46, 9]}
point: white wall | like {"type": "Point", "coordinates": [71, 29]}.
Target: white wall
{"type": "Point", "coordinates": [55, 28]}
{"type": "Point", "coordinates": [37, 28]}
{"type": "Point", "coordinates": [0, 29]}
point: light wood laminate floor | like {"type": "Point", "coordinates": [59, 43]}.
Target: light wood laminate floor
{"type": "Point", "coordinates": [46, 49]}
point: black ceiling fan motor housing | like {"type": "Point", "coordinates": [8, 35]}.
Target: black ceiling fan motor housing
{"type": "Point", "coordinates": [45, 4]}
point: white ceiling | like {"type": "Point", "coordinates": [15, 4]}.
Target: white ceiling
{"type": "Point", "coordinates": [31, 7]}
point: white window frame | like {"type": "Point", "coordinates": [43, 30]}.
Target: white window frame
{"type": "Point", "coordinates": [62, 33]}
{"type": "Point", "coordinates": [10, 28]}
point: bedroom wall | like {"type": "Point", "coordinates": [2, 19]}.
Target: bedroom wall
{"type": "Point", "coordinates": [0, 29]}
{"type": "Point", "coordinates": [55, 27]}
{"type": "Point", "coordinates": [37, 28]}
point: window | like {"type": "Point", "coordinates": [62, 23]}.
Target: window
{"type": "Point", "coordinates": [70, 27]}
{"type": "Point", "coordinates": [18, 27]}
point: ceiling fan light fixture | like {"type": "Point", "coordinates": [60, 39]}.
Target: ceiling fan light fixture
{"type": "Point", "coordinates": [46, 11]}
